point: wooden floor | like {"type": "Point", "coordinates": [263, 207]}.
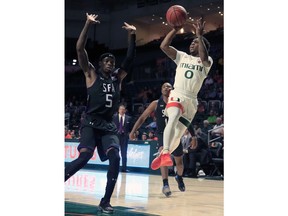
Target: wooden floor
{"type": "Point", "coordinates": [143, 193]}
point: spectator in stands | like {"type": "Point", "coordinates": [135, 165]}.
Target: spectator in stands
{"type": "Point", "coordinates": [68, 134]}
{"type": "Point", "coordinates": [144, 95]}
{"type": "Point", "coordinates": [209, 81]}
{"type": "Point", "coordinates": [139, 112]}
{"type": "Point", "coordinates": [201, 107]}
{"type": "Point", "coordinates": [73, 135]}
{"type": "Point", "coordinates": [144, 136]}
{"type": "Point", "coordinates": [195, 151]}
{"type": "Point", "coordinates": [218, 131]}
{"type": "Point", "coordinates": [151, 136]}
{"type": "Point", "coordinates": [202, 131]}
{"type": "Point", "coordinates": [67, 116]}
{"type": "Point", "coordinates": [201, 111]}
{"type": "Point", "coordinates": [185, 142]}
{"type": "Point", "coordinates": [75, 120]}
{"type": "Point", "coordinates": [212, 93]}
{"type": "Point", "coordinates": [212, 117]}
{"type": "Point", "coordinates": [137, 135]}
{"type": "Point", "coordinates": [152, 125]}
{"type": "Point", "coordinates": [214, 105]}
{"type": "Point", "coordinates": [220, 93]}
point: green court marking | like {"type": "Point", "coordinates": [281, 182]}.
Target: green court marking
{"type": "Point", "coordinates": [79, 209]}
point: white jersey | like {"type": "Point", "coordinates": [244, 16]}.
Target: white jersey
{"type": "Point", "coordinates": [190, 74]}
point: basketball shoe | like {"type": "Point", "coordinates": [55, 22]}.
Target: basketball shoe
{"type": "Point", "coordinates": [161, 160]}
{"type": "Point", "coordinates": [105, 207]}
{"type": "Point", "coordinates": [180, 182]}
{"type": "Point", "coordinates": [166, 190]}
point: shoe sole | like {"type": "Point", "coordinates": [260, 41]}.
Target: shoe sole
{"type": "Point", "coordinates": [159, 162]}
{"type": "Point", "coordinates": [181, 189]}
{"type": "Point", "coordinates": [104, 211]}
{"type": "Point", "coordinates": [156, 163]}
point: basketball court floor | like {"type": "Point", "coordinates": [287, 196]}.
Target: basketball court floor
{"type": "Point", "coordinates": [141, 194]}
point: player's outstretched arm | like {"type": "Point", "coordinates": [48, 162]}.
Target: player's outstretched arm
{"type": "Point", "coordinates": [203, 52]}
{"type": "Point", "coordinates": [152, 106]}
{"type": "Point", "coordinates": [165, 44]}
{"type": "Point", "coordinates": [131, 50]}
{"type": "Point", "coordinates": [81, 43]}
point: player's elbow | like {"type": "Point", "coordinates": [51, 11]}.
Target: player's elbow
{"type": "Point", "coordinates": [163, 47]}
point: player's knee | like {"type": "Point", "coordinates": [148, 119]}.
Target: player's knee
{"type": "Point", "coordinates": [85, 156]}
{"type": "Point", "coordinates": [113, 156]}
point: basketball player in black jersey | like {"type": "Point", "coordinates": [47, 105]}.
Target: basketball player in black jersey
{"type": "Point", "coordinates": [103, 96]}
{"type": "Point", "coordinates": [158, 106]}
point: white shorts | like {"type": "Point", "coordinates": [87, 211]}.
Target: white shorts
{"type": "Point", "coordinates": [187, 105]}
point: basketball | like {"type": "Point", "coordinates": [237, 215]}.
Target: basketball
{"type": "Point", "coordinates": [176, 16]}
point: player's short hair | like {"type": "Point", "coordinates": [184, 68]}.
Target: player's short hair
{"type": "Point", "coordinates": [104, 55]}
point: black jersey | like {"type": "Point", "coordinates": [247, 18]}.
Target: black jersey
{"type": "Point", "coordinates": [161, 119]}
{"type": "Point", "coordinates": [103, 97]}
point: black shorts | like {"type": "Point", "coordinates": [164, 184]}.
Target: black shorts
{"type": "Point", "coordinates": [103, 140]}
{"type": "Point", "coordinates": [98, 122]}
{"type": "Point", "coordinates": [177, 152]}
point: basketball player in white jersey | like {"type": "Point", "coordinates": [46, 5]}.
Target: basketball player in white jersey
{"type": "Point", "coordinates": [191, 71]}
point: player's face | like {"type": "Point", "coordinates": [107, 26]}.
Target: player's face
{"type": "Point", "coordinates": [166, 88]}
{"type": "Point", "coordinates": [193, 48]}
{"type": "Point", "coordinates": [107, 64]}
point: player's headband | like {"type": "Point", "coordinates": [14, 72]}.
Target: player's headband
{"type": "Point", "coordinates": [104, 55]}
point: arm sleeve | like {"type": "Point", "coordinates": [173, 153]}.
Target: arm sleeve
{"type": "Point", "coordinates": [191, 130]}
{"type": "Point", "coordinates": [131, 52]}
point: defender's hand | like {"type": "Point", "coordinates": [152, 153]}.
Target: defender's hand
{"type": "Point", "coordinates": [92, 18]}
{"type": "Point", "coordinates": [129, 27]}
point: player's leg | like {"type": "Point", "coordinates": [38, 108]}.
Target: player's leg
{"type": "Point", "coordinates": [164, 170]}
{"type": "Point", "coordinates": [183, 123]}
{"type": "Point", "coordinates": [174, 111]}
{"type": "Point", "coordinates": [178, 156]}
{"type": "Point", "coordinates": [86, 150]}
{"type": "Point", "coordinates": [166, 188]}
{"type": "Point", "coordinates": [110, 145]}
{"type": "Point", "coordinates": [174, 114]}
{"type": "Point", "coordinates": [179, 130]}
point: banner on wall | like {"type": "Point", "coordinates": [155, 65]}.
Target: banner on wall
{"type": "Point", "coordinates": [138, 155]}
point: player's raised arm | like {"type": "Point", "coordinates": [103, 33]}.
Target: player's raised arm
{"type": "Point", "coordinates": [131, 50]}
{"type": "Point", "coordinates": [202, 48]}
{"type": "Point", "coordinates": [81, 43]}
{"type": "Point", "coordinates": [165, 45]}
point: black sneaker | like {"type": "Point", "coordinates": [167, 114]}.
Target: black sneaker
{"type": "Point", "coordinates": [180, 182]}
{"type": "Point", "coordinates": [166, 190]}
{"type": "Point", "coordinates": [106, 208]}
